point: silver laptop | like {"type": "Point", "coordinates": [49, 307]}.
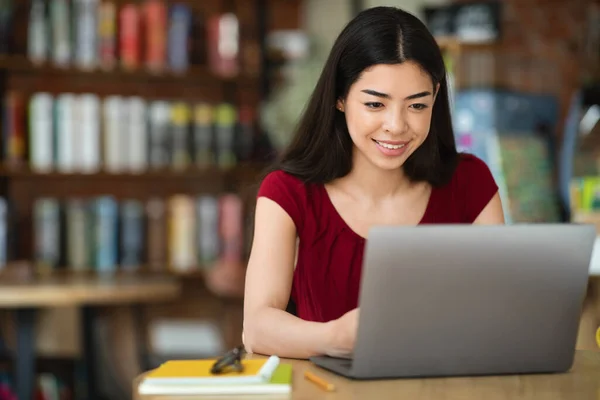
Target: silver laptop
{"type": "Point", "coordinates": [463, 300]}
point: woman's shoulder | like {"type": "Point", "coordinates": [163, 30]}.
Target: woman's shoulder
{"type": "Point", "coordinates": [280, 178]}
{"type": "Point", "coordinates": [472, 186]}
{"type": "Point", "coordinates": [471, 167]}
{"type": "Point", "coordinates": [288, 191]}
{"type": "Point", "coordinates": [279, 183]}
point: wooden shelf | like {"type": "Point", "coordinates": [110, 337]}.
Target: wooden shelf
{"type": "Point", "coordinates": [24, 272]}
{"type": "Point", "coordinates": [454, 43]}
{"type": "Point", "coordinates": [242, 171]}
{"type": "Point", "coordinates": [73, 290]}
{"type": "Point", "coordinates": [590, 217]}
{"type": "Point", "coordinates": [586, 216]}
{"type": "Point", "coordinates": [194, 75]}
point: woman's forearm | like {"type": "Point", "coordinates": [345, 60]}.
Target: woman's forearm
{"type": "Point", "coordinates": [271, 331]}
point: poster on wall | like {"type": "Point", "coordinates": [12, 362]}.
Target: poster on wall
{"type": "Point", "coordinates": [475, 22]}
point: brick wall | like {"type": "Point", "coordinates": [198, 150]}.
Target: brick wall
{"type": "Point", "coordinates": [541, 49]}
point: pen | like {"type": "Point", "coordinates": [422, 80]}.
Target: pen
{"type": "Point", "coordinates": [322, 383]}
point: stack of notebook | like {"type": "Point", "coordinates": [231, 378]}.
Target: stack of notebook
{"type": "Point", "coordinates": [193, 377]}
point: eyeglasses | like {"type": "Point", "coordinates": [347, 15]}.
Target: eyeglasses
{"type": "Point", "coordinates": [231, 360]}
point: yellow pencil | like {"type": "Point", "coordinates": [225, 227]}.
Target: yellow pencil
{"type": "Point", "coordinates": [598, 337]}
{"type": "Point", "coordinates": [322, 383]}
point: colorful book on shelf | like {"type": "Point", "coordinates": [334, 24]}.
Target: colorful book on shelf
{"type": "Point", "coordinates": [585, 194]}
{"type": "Point", "coordinates": [193, 377]}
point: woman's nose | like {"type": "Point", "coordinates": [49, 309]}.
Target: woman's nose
{"type": "Point", "coordinates": [395, 122]}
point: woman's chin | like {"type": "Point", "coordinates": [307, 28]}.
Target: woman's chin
{"type": "Point", "coordinates": [388, 164]}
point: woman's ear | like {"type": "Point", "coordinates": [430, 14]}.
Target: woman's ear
{"type": "Point", "coordinates": [340, 105]}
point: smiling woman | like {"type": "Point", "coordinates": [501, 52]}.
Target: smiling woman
{"type": "Point", "coordinates": [374, 146]}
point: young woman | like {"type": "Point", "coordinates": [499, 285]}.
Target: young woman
{"type": "Point", "coordinates": [375, 146]}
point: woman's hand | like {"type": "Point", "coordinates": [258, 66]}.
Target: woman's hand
{"type": "Point", "coordinates": [343, 335]}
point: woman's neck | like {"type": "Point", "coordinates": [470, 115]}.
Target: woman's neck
{"type": "Point", "coordinates": [373, 184]}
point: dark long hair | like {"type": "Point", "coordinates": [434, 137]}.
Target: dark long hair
{"type": "Point", "coordinates": [321, 149]}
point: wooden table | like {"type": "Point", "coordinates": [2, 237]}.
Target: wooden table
{"type": "Point", "coordinates": [26, 296]}
{"type": "Point", "coordinates": [582, 382]}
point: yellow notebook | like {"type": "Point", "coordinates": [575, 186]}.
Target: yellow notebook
{"type": "Point", "coordinates": [280, 384]}
{"type": "Point", "coordinates": [186, 372]}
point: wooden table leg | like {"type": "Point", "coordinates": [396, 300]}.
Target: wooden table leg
{"type": "Point", "coordinates": [232, 322]}
{"type": "Point", "coordinates": [25, 355]}
{"type": "Point", "coordinates": [90, 357]}
{"type": "Point", "coordinates": [141, 337]}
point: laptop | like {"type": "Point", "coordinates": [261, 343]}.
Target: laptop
{"type": "Point", "coordinates": [465, 300]}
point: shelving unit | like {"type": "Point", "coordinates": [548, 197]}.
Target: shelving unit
{"type": "Point", "coordinates": [22, 185]}
{"type": "Point", "coordinates": [454, 50]}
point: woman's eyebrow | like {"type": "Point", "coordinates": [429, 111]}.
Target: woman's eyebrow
{"type": "Point", "coordinates": [376, 93]}
{"type": "Point", "coordinates": [418, 95]}
{"type": "Point", "coordinates": [387, 96]}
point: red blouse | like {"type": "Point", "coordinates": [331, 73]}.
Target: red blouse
{"type": "Point", "coordinates": [327, 276]}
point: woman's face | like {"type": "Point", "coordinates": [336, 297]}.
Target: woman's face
{"type": "Point", "coordinates": [388, 113]}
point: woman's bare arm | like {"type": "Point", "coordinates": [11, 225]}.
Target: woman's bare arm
{"type": "Point", "coordinates": [268, 328]}
{"type": "Point", "coordinates": [492, 213]}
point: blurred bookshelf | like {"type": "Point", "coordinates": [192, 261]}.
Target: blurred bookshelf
{"type": "Point", "coordinates": [511, 97]}
{"type": "Point", "coordinates": [131, 144]}
{"type": "Point", "coordinates": [183, 79]}
{"type": "Point", "coordinates": [582, 157]}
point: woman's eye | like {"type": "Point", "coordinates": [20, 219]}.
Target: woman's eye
{"type": "Point", "coordinates": [374, 105]}
{"type": "Point", "coordinates": [419, 106]}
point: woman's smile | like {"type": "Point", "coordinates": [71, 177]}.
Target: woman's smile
{"type": "Point", "coordinates": [391, 148]}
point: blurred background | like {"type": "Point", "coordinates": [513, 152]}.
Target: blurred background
{"type": "Point", "coordinates": [135, 133]}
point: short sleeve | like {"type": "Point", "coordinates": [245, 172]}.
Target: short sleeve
{"type": "Point", "coordinates": [478, 185]}
{"type": "Point", "coordinates": [287, 191]}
